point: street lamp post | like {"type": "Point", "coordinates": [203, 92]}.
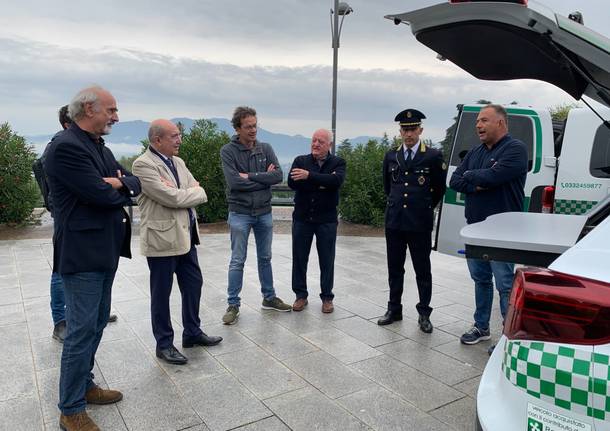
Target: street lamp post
{"type": "Point", "coordinates": [341, 8]}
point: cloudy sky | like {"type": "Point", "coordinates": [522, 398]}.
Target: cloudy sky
{"type": "Point", "coordinates": [201, 58]}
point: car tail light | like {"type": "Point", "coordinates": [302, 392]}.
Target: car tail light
{"type": "Point", "coordinates": [548, 199]}
{"type": "Point", "coordinates": [550, 306]}
{"type": "Point", "coordinates": [523, 2]}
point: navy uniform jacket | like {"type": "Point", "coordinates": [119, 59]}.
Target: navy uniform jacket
{"type": "Point", "coordinates": [317, 197]}
{"type": "Point", "coordinates": [499, 171]}
{"type": "Point", "coordinates": [413, 190]}
{"type": "Point", "coordinates": [92, 228]}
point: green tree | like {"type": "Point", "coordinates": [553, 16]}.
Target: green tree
{"type": "Point", "coordinates": [362, 199]}
{"type": "Point", "coordinates": [560, 111]}
{"type": "Point", "coordinates": [18, 190]}
{"type": "Point", "coordinates": [127, 161]}
{"type": "Point", "coordinates": [200, 150]}
{"type": "Point", "coordinates": [344, 146]}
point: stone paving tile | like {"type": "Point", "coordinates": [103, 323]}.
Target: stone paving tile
{"type": "Point", "coordinates": [278, 341]}
{"type": "Point", "coordinates": [223, 403]}
{"type": "Point", "coordinates": [154, 403]}
{"type": "Point", "coordinates": [328, 371]}
{"type": "Point", "coordinates": [459, 414]}
{"type": "Point", "coordinates": [47, 353]}
{"type": "Point", "coordinates": [469, 387]}
{"type": "Point", "coordinates": [267, 378]}
{"type": "Point", "coordinates": [430, 362]}
{"type": "Point", "coordinates": [343, 347]}
{"type": "Point", "coordinates": [21, 414]}
{"type": "Point", "coordinates": [366, 331]}
{"type": "Point", "coordinates": [201, 364]}
{"type": "Point", "coordinates": [10, 295]}
{"type": "Point", "coordinates": [11, 313]}
{"type": "Point", "coordinates": [232, 339]}
{"type": "Point", "coordinates": [327, 374]}
{"type": "Point", "coordinates": [16, 376]}
{"type": "Point", "coordinates": [299, 322]}
{"type": "Point", "coordinates": [476, 355]}
{"type": "Point", "coordinates": [268, 424]}
{"type": "Point", "coordinates": [124, 360]}
{"type": "Point", "coordinates": [384, 411]}
{"type": "Point", "coordinates": [308, 409]}
{"type": "Point", "coordinates": [420, 390]}
{"type": "Point", "coordinates": [409, 328]}
{"type": "Point", "coordinates": [359, 307]}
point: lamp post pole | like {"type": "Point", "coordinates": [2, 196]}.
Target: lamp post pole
{"type": "Point", "coordinates": [339, 9]}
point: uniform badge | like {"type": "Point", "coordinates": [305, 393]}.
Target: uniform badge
{"type": "Point", "coordinates": [421, 180]}
{"type": "Point", "coordinates": [444, 166]}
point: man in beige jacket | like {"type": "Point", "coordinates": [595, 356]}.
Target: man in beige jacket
{"type": "Point", "coordinates": [168, 235]}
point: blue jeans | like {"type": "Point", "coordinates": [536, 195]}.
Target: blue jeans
{"type": "Point", "coordinates": [87, 310]}
{"type": "Point", "coordinates": [481, 272]}
{"type": "Point", "coordinates": [240, 225]}
{"type": "Point", "coordinates": [58, 302]}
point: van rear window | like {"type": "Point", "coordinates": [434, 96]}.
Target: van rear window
{"type": "Point", "coordinates": [519, 126]}
{"type": "Point", "coordinates": [600, 155]}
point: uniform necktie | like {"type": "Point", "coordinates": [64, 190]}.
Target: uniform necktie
{"type": "Point", "coordinates": [409, 155]}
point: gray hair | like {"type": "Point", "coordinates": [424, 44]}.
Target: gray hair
{"type": "Point", "coordinates": [76, 108]}
{"type": "Point", "coordinates": [329, 134]}
{"type": "Point", "coordinates": [500, 110]}
{"type": "Point", "coordinates": [155, 130]}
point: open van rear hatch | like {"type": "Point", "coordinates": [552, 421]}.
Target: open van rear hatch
{"type": "Point", "coordinates": [502, 41]}
{"type": "Point", "coordinates": [494, 40]}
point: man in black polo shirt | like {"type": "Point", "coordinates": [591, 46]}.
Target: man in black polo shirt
{"type": "Point", "coordinates": [316, 179]}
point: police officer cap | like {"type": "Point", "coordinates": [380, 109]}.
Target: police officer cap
{"type": "Point", "coordinates": [410, 118]}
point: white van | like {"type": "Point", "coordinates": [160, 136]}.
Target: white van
{"type": "Point", "coordinates": [550, 370]}
{"type": "Point", "coordinates": [572, 157]}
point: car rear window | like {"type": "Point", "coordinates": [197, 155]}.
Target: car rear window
{"type": "Point", "coordinates": [519, 126]}
{"type": "Point", "coordinates": [599, 166]}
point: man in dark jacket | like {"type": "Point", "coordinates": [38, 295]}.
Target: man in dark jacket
{"type": "Point", "coordinates": [316, 179]}
{"type": "Point", "coordinates": [250, 169]}
{"type": "Point", "coordinates": [492, 176]}
{"type": "Point", "coordinates": [414, 182]}
{"type": "Point", "coordinates": [89, 190]}
{"type": "Point", "coordinates": [58, 303]}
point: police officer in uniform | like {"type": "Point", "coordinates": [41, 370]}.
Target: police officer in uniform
{"type": "Point", "coordinates": [414, 183]}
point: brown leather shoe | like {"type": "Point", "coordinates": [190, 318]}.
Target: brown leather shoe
{"type": "Point", "coordinates": [77, 422]}
{"type": "Point", "coordinates": [97, 395]}
{"type": "Point", "coordinates": [299, 304]}
{"type": "Point", "coordinates": [327, 306]}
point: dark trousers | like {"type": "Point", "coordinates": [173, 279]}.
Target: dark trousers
{"type": "Point", "coordinates": [87, 309]}
{"type": "Point", "coordinates": [420, 246]}
{"type": "Point", "coordinates": [326, 239]}
{"type": "Point", "coordinates": [190, 280]}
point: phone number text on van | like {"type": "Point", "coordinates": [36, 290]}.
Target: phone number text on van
{"type": "Point", "coordinates": [581, 185]}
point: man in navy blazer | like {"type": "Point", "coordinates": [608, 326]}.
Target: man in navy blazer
{"type": "Point", "coordinates": [89, 189]}
{"type": "Point", "coordinates": [316, 179]}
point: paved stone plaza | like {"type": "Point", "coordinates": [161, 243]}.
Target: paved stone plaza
{"type": "Point", "coordinates": [273, 371]}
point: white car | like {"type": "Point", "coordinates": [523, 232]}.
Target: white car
{"type": "Point", "coordinates": [550, 370]}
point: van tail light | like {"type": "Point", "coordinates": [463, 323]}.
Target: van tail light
{"type": "Point", "coordinates": [550, 306]}
{"type": "Point", "coordinates": [548, 199]}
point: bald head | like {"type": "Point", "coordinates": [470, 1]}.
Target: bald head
{"type": "Point", "coordinates": [320, 143]}
{"type": "Point", "coordinates": [165, 137]}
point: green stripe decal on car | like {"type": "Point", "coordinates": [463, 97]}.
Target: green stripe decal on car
{"type": "Point", "coordinates": [567, 206]}
{"type": "Point", "coordinates": [569, 378]}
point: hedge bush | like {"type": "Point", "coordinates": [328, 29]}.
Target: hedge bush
{"type": "Point", "coordinates": [200, 150]}
{"type": "Point", "coordinates": [362, 199]}
{"type": "Point", "coordinates": [18, 189]}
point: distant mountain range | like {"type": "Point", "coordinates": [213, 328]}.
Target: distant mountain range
{"type": "Point", "coordinates": [126, 137]}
